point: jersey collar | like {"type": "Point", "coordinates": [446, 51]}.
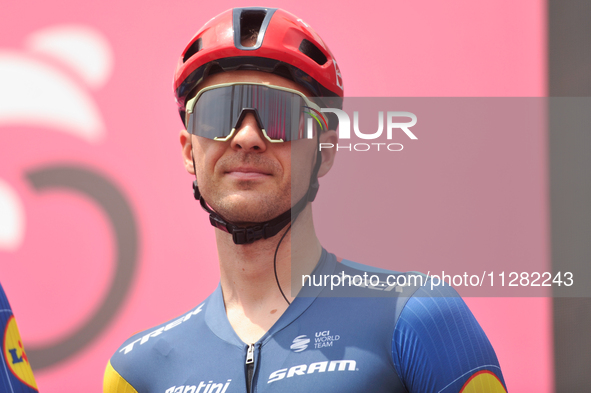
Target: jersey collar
{"type": "Point", "coordinates": [217, 320]}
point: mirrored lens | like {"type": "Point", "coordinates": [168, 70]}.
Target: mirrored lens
{"type": "Point", "coordinates": [217, 111]}
{"type": "Point", "coordinates": [212, 115]}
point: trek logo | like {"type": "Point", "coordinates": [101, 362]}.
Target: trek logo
{"type": "Point", "coordinates": [15, 356]}
{"type": "Point", "coordinates": [129, 347]}
{"type": "Point", "coordinates": [209, 388]}
{"type": "Point", "coordinates": [338, 75]}
{"type": "Point", "coordinates": [324, 339]}
{"type": "Point", "coordinates": [320, 367]}
{"type": "Point", "coordinates": [300, 343]}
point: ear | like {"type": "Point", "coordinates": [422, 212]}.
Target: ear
{"type": "Point", "coordinates": [327, 139]}
{"type": "Point", "coordinates": [187, 151]}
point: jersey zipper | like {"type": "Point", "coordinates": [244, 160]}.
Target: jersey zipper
{"type": "Point", "coordinates": [249, 366]}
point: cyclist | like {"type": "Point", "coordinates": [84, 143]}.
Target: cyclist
{"type": "Point", "coordinates": [244, 86]}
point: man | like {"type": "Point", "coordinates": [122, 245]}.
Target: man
{"type": "Point", "coordinates": [243, 86]}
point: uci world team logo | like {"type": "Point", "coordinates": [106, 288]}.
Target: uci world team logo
{"type": "Point", "coordinates": [15, 356]}
{"type": "Point", "coordinates": [300, 343]}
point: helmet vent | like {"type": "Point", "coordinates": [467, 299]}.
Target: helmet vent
{"type": "Point", "coordinates": [250, 26]}
{"type": "Point", "coordinates": [312, 51]}
{"type": "Point", "coordinates": [195, 47]}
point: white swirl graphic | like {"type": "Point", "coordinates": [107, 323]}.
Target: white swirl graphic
{"type": "Point", "coordinates": [80, 48]}
{"type": "Point", "coordinates": [12, 218]}
{"type": "Point", "coordinates": [36, 92]}
{"type": "Point", "coordinates": [300, 343]}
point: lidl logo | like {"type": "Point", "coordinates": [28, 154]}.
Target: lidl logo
{"type": "Point", "coordinates": [15, 356]}
{"type": "Point", "coordinates": [483, 381]}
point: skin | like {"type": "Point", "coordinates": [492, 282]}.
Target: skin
{"type": "Point", "coordinates": [249, 179]}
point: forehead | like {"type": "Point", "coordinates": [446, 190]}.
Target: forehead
{"type": "Point", "coordinates": [251, 76]}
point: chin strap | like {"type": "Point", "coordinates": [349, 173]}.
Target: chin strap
{"type": "Point", "coordinates": [262, 230]}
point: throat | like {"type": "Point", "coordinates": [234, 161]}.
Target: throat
{"type": "Point", "coordinates": [250, 324]}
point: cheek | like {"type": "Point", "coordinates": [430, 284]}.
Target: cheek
{"type": "Point", "coordinates": [302, 158]}
{"type": "Point", "coordinates": [205, 153]}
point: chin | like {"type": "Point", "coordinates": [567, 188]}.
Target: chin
{"type": "Point", "coordinates": [244, 213]}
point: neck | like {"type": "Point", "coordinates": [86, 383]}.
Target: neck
{"type": "Point", "coordinates": [246, 271]}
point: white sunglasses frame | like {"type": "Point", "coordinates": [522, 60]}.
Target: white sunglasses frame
{"type": "Point", "coordinates": [190, 106]}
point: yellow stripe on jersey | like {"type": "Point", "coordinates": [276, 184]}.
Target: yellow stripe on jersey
{"type": "Point", "coordinates": [15, 356]}
{"type": "Point", "coordinates": [114, 383]}
{"type": "Point", "coordinates": [483, 382]}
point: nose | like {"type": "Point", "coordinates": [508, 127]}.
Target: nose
{"type": "Point", "coordinates": [248, 136]}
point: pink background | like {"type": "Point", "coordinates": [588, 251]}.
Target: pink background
{"type": "Point", "coordinates": [56, 274]}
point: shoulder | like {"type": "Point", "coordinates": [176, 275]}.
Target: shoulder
{"type": "Point", "coordinates": [368, 281]}
{"type": "Point", "coordinates": [437, 343]}
{"type": "Point", "coordinates": [131, 364]}
{"type": "Point", "coordinates": [168, 328]}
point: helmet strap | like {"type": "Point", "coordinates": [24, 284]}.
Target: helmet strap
{"type": "Point", "coordinates": [263, 230]}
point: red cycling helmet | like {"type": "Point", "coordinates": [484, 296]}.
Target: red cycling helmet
{"type": "Point", "coordinates": [285, 46]}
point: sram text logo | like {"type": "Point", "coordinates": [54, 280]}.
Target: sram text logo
{"type": "Point", "coordinates": [129, 347]}
{"type": "Point", "coordinates": [320, 367]}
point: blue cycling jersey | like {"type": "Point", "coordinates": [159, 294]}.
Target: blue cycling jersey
{"type": "Point", "coordinates": [16, 375]}
{"type": "Point", "coordinates": [408, 339]}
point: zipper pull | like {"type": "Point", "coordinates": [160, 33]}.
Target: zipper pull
{"type": "Point", "coordinates": [250, 354]}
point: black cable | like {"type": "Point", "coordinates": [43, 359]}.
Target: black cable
{"type": "Point", "coordinates": [308, 197]}
{"type": "Point", "coordinates": [275, 259]}
{"type": "Point", "coordinates": [312, 188]}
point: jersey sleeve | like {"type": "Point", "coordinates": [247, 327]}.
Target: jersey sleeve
{"type": "Point", "coordinates": [115, 383]}
{"type": "Point", "coordinates": [16, 374]}
{"type": "Point", "coordinates": [438, 346]}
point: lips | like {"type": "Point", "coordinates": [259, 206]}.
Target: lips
{"type": "Point", "coordinates": [248, 172]}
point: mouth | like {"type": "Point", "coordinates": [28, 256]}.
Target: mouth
{"type": "Point", "coordinates": [247, 173]}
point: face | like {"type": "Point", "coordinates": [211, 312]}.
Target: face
{"type": "Point", "coordinates": [247, 178]}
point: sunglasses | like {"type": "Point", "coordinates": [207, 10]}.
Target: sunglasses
{"type": "Point", "coordinates": [282, 114]}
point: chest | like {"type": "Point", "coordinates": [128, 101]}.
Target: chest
{"type": "Point", "coordinates": [335, 352]}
